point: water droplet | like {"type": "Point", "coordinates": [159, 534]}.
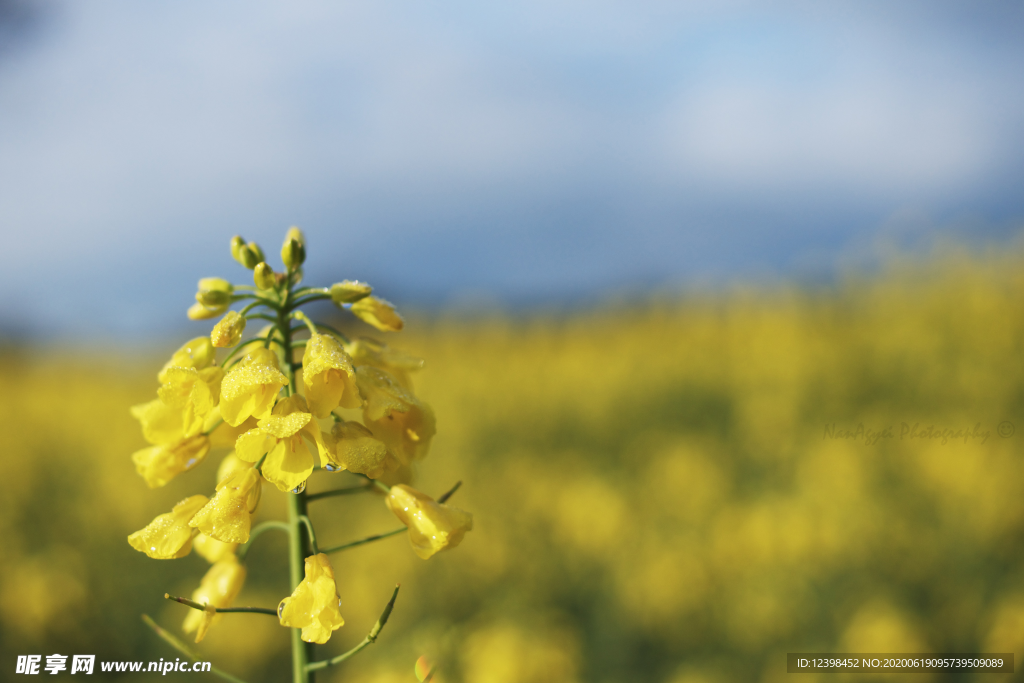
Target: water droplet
{"type": "Point", "coordinates": [331, 467]}
{"type": "Point", "coordinates": [280, 609]}
{"type": "Point", "coordinates": [300, 488]}
{"type": "Point", "coordinates": [339, 603]}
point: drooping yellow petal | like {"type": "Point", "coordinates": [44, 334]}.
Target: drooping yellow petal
{"type": "Point", "coordinates": [159, 464]}
{"type": "Point", "coordinates": [251, 387]}
{"type": "Point", "coordinates": [169, 536]}
{"type": "Point", "coordinates": [379, 313]}
{"type": "Point", "coordinates": [192, 391]}
{"type": "Point", "coordinates": [283, 426]}
{"type": "Point", "coordinates": [161, 423]}
{"type": "Point", "coordinates": [223, 434]}
{"type": "Point", "coordinates": [314, 606]}
{"type": "Point", "coordinates": [355, 449]}
{"type": "Point", "coordinates": [218, 589]}
{"type": "Point", "coordinates": [398, 364]}
{"type": "Point", "coordinates": [395, 416]}
{"type": "Point", "coordinates": [227, 517]}
{"type": "Point", "coordinates": [328, 376]}
{"type": "Point", "coordinates": [432, 526]}
{"type": "Point", "coordinates": [251, 446]}
{"type": "Point", "coordinates": [212, 550]}
{"type": "Point", "coordinates": [288, 464]}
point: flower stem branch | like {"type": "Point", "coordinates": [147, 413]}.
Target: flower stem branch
{"type": "Point", "coordinates": [336, 333]}
{"type": "Point", "coordinates": [195, 605]}
{"type": "Point", "coordinates": [340, 492]}
{"type": "Point", "coordinates": [255, 533]}
{"type": "Point", "coordinates": [304, 319]}
{"type": "Point", "coordinates": [183, 649]}
{"type": "Point", "coordinates": [368, 640]}
{"type": "Point", "coordinates": [312, 534]}
{"type": "Point", "coordinates": [368, 539]}
{"type": "Point", "coordinates": [450, 493]}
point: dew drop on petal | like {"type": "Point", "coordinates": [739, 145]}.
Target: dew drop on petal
{"type": "Point", "coordinates": [331, 467]}
{"type": "Point", "coordinates": [280, 610]}
{"type": "Point", "coordinates": [300, 488]}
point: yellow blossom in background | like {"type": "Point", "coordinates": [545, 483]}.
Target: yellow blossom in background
{"type": "Point", "coordinates": [196, 353]}
{"type": "Point", "coordinates": [169, 535]}
{"type": "Point", "coordinates": [394, 415]}
{"type": "Point", "coordinates": [212, 550]}
{"type": "Point", "coordinates": [314, 606]}
{"type": "Point", "coordinates": [432, 526]}
{"type": "Point", "coordinates": [159, 464]}
{"type": "Point", "coordinates": [379, 313]}
{"type": "Point", "coordinates": [250, 388]}
{"type": "Point", "coordinates": [218, 589]}
{"type": "Point", "coordinates": [396, 363]}
{"type": "Point", "coordinates": [282, 436]}
{"type": "Point", "coordinates": [328, 376]}
{"type": "Point", "coordinates": [227, 518]}
{"type": "Point", "coordinates": [228, 331]}
{"type": "Point", "coordinates": [355, 450]}
{"type": "Point", "coordinates": [161, 423]}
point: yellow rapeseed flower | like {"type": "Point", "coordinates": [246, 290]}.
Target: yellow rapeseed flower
{"type": "Point", "coordinates": [328, 376]}
{"type": "Point", "coordinates": [394, 415]}
{"type": "Point", "coordinates": [355, 450]}
{"type": "Point", "coordinates": [196, 353]}
{"type": "Point", "coordinates": [314, 606]}
{"type": "Point", "coordinates": [228, 516]}
{"type": "Point", "coordinates": [432, 526]}
{"type": "Point", "coordinates": [194, 392]}
{"type": "Point", "coordinates": [161, 423]}
{"type": "Point", "coordinates": [379, 313]}
{"type": "Point", "coordinates": [169, 535]}
{"type": "Point", "coordinates": [251, 387]}
{"type": "Point", "coordinates": [159, 464]}
{"type": "Point", "coordinates": [212, 550]}
{"type": "Point", "coordinates": [218, 589]}
{"type": "Point", "coordinates": [396, 363]}
{"type": "Point", "coordinates": [228, 330]}
{"type": "Point", "coordinates": [283, 436]}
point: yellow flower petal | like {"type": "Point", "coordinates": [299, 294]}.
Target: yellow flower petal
{"type": "Point", "coordinates": [398, 364]}
{"type": "Point", "coordinates": [356, 450]}
{"type": "Point", "coordinates": [228, 330]}
{"type": "Point", "coordinates": [159, 464]}
{"type": "Point", "coordinates": [251, 446]}
{"type": "Point", "coordinates": [251, 387]}
{"type": "Point", "coordinates": [227, 517]}
{"type": "Point", "coordinates": [432, 526]}
{"type": "Point", "coordinates": [394, 415]}
{"type": "Point", "coordinates": [379, 313]}
{"type": "Point", "coordinates": [218, 589]}
{"type": "Point", "coordinates": [289, 463]}
{"type": "Point", "coordinates": [314, 606]}
{"type": "Point", "coordinates": [283, 426]}
{"type": "Point", "coordinates": [328, 376]}
{"type": "Point", "coordinates": [169, 536]}
{"type": "Point", "coordinates": [212, 550]}
{"type": "Point", "coordinates": [196, 353]}
{"type": "Point", "coordinates": [161, 423]}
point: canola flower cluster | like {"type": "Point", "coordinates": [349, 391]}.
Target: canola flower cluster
{"type": "Point", "coordinates": [265, 405]}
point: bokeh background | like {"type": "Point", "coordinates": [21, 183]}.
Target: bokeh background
{"type": "Point", "coordinates": [664, 261]}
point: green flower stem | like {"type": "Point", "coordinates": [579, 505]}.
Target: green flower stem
{"type": "Point", "coordinates": [312, 534]}
{"type": "Point", "coordinates": [249, 307]}
{"type": "Point", "coordinates": [298, 545]}
{"type": "Point", "coordinates": [304, 319]}
{"type": "Point", "coordinates": [339, 492]}
{"type": "Point", "coordinates": [311, 290]}
{"type": "Point", "coordinates": [368, 640]}
{"type": "Point", "coordinates": [216, 424]}
{"type": "Point", "coordinates": [195, 605]}
{"type": "Point", "coordinates": [243, 550]}
{"type": "Point", "coordinates": [381, 485]}
{"type": "Point", "coordinates": [183, 649]}
{"type": "Point", "coordinates": [312, 297]}
{"type": "Point", "coordinates": [368, 539]}
{"type": "Point", "coordinates": [261, 316]}
{"type": "Point", "coordinates": [450, 493]}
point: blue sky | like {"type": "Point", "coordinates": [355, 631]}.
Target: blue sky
{"type": "Point", "coordinates": [530, 153]}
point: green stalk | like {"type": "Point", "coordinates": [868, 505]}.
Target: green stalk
{"type": "Point", "coordinates": [299, 541]}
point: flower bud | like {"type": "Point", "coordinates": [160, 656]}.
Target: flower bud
{"type": "Point", "coordinates": [228, 331]}
{"type": "Point", "coordinates": [264, 276]}
{"type": "Point", "coordinates": [237, 243]}
{"type": "Point", "coordinates": [197, 311]}
{"type": "Point", "coordinates": [257, 252]}
{"type": "Point", "coordinates": [214, 291]}
{"type": "Point", "coordinates": [349, 291]}
{"type": "Point", "coordinates": [244, 253]}
{"type": "Point", "coordinates": [293, 254]}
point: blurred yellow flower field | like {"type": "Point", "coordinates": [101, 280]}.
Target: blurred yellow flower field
{"type": "Point", "coordinates": [675, 491]}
